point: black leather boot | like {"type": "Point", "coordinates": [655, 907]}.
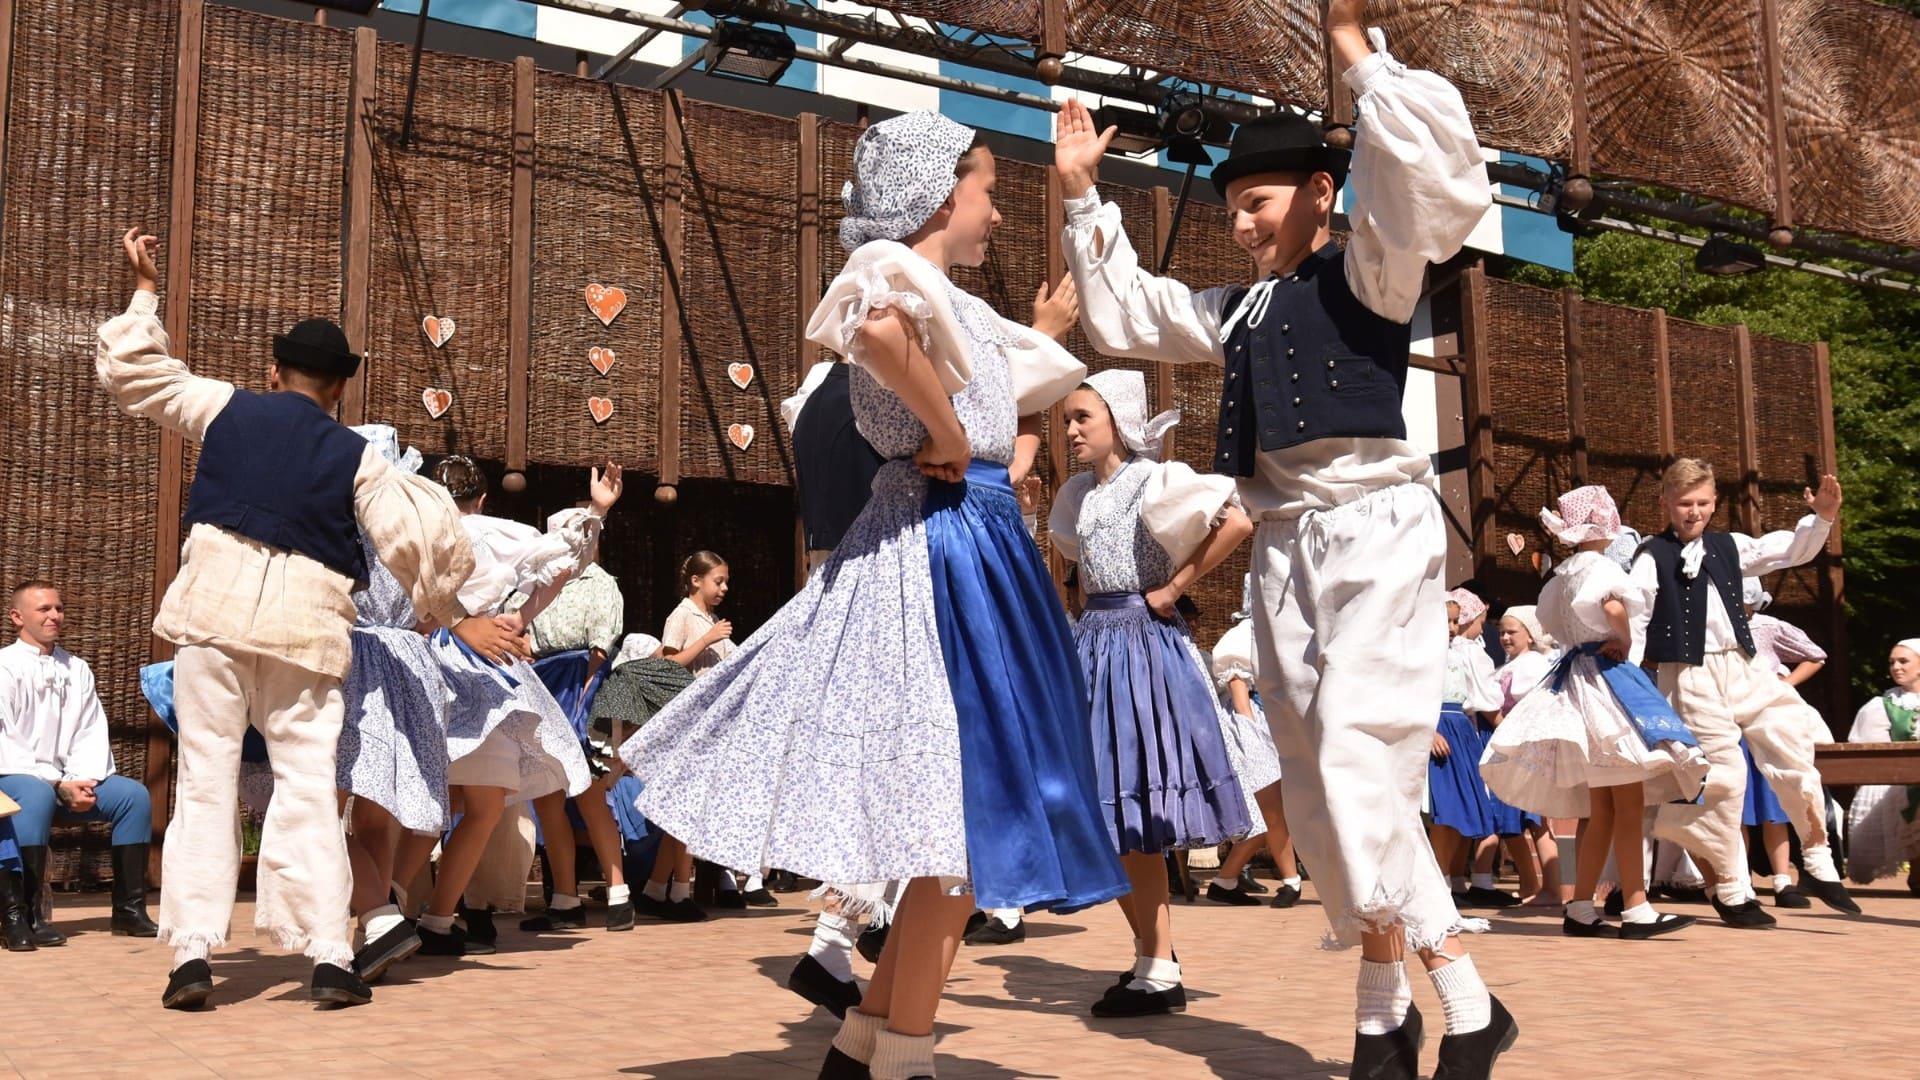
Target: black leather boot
{"type": "Point", "coordinates": [130, 892]}
{"type": "Point", "coordinates": [34, 859]}
{"type": "Point", "coordinates": [16, 929]}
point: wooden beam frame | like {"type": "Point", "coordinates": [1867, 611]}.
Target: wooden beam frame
{"type": "Point", "coordinates": [1833, 579]}
{"type": "Point", "coordinates": [673, 161]}
{"type": "Point", "coordinates": [1770, 46]}
{"type": "Point", "coordinates": [1162, 236]}
{"type": "Point", "coordinates": [520, 267]}
{"type": "Point", "coordinates": [1747, 514]}
{"type": "Point", "coordinates": [357, 258]}
{"type": "Point", "coordinates": [1580, 150]}
{"type": "Point", "coordinates": [1663, 383]}
{"type": "Point", "coordinates": [1576, 382]}
{"type": "Point", "coordinates": [1056, 416]}
{"type": "Point", "coordinates": [807, 286]}
{"type": "Point", "coordinates": [1477, 402]}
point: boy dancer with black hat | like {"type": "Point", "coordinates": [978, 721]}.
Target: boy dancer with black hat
{"type": "Point", "coordinates": [260, 612]}
{"type": "Point", "coordinates": [1349, 616]}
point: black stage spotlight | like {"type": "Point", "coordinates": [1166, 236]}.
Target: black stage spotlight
{"type": "Point", "coordinates": [739, 50]}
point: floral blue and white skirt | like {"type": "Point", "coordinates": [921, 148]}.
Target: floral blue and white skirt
{"type": "Point", "coordinates": [504, 729]}
{"type": "Point", "coordinates": [916, 711]}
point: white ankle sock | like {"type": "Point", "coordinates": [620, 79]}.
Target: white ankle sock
{"type": "Point", "coordinates": [1383, 998]}
{"type": "Point", "coordinates": [1464, 997]}
{"type": "Point", "coordinates": [832, 946]}
{"type": "Point", "coordinates": [439, 924]}
{"type": "Point", "coordinates": [1781, 881]}
{"type": "Point", "coordinates": [380, 920]}
{"type": "Point", "coordinates": [1456, 883]}
{"type": "Point", "coordinates": [654, 890]}
{"type": "Point", "coordinates": [901, 1057]}
{"type": "Point", "coordinates": [1582, 911]}
{"type": "Point", "coordinates": [184, 953]}
{"type": "Point", "coordinates": [755, 883]}
{"type": "Point", "coordinates": [1818, 862]}
{"type": "Point", "coordinates": [1292, 882]}
{"type": "Point", "coordinates": [1229, 883]}
{"type": "Point", "coordinates": [679, 891]}
{"type": "Point", "coordinates": [1008, 917]}
{"type": "Point", "coordinates": [1641, 912]}
{"type": "Point", "coordinates": [1483, 881]}
{"type": "Point", "coordinates": [1733, 893]}
{"type": "Point", "coordinates": [618, 894]}
{"type": "Point", "coordinates": [1153, 973]}
{"type": "Point", "coordinates": [563, 902]}
{"type": "Point", "coordinates": [858, 1032]}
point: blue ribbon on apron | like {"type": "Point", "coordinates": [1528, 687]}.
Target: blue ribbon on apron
{"type": "Point", "coordinates": [443, 638]}
{"type": "Point", "coordinates": [1645, 706]}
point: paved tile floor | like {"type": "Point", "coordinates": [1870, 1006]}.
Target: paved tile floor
{"type": "Point", "coordinates": [1824, 995]}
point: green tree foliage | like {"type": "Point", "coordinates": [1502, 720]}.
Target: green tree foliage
{"type": "Point", "coordinates": [1874, 338]}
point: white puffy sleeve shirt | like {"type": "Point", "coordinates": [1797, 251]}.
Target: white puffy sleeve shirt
{"type": "Point", "coordinates": [51, 722]}
{"type": "Point", "coordinates": [510, 558]}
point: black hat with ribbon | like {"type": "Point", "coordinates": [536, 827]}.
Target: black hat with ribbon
{"type": "Point", "coordinates": [1280, 142]}
{"type": "Point", "coordinates": [316, 345]}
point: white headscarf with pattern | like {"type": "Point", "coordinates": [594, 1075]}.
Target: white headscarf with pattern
{"type": "Point", "coordinates": [903, 171]}
{"type": "Point", "coordinates": [1125, 393]}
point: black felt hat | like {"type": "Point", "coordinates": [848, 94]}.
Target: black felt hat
{"type": "Point", "coordinates": [316, 345]}
{"type": "Point", "coordinates": [1280, 142]}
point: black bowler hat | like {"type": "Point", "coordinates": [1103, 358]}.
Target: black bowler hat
{"type": "Point", "coordinates": [1280, 142]}
{"type": "Point", "coordinates": [316, 345]}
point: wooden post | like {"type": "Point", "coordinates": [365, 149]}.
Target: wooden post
{"type": "Point", "coordinates": [1339, 98]}
{"type": "Point", "coordinates": [1053, 40]}
{"type": "Point", "coordinates": [1833, 579]}
{"type": "Point", "coordinates": [1580, 153]}
{"type": "Point", "coordinates": [1747, 513]}
{"type": "Point", "coordinates": [520, 267]}
{"type": "Point", "coordinates": [807, 282]}
{"type": "Point", "coordinates": [1162, 235]}
{"type": "Point", "coordinates": [6, 69]}
{"type": "Point", "coordinates": [673, 161]}
{"type": "Point", "coordinates": [1056, 416]}
{"type": "Point", "coordinates": [1770, 47]}
{"type": "Point", "coordinates": [1576, 385]}
{"type": "Point", "coordinates": [357, 259]}
{"type": "Point", "coordinates": [1663, 382]}
{"type": "Point", "coordinates": [179, 286]}
{"type": "Point", "coordinates": [1477, 399]}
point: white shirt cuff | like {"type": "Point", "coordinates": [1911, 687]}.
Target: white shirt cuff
{"type": "Point", "coordinates": [144, 303]}
{"type": "Point", "coordinates": [1081, 211]}
{"type": "Point", "coordinates": [1359, 77]}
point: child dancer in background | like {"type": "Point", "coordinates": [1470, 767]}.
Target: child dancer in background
{"type": "Point", "coordinates": [1143, 531]}
{"type": "Point", "coordinates": [1460, 810]}
{"type": "Point", "coordinates": [1530, 657]}
{"type": "Point", "coordinates": [1599, 741]}
{"type": "Point", "coordinates": [1776, 645]}
{"type": "Point", "coordinates": [1235, 675]}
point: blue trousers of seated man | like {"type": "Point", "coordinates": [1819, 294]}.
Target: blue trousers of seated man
{"type": "Point", "coordinates": [117, 799]}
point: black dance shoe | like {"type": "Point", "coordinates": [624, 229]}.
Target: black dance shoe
{"type": "Point", "coordinates": [839, 1066]}
{"type": "Point", "coordinates": [479, 924]}
{"type": "Point", "coordinates": [811, 980]}
{"type": "Point", "coordinates": [1237, 897]}
{"type": "Point", "coordinates": [454, 942]}
{"type": "Point", "coordinates": [335, 985]}
{"type": "Point", "coordinates": [1249, 883]}
{"type": "Point", "coordinates": [376, 956]}
{"type": "Point", "coordinates": [995, 932]}
{"type": "Point", "coordinates": [1481, 897]}
{"type": "Point", "coordinates": [1123, 1000]}
{"type": "Point", "coordinates": [1831, 893]}
{"type": "Point", "coordinates": [1747, 916]}
{"type": "Point", "coordinates": [1616, 903]}
{"type": "Point", "coordinates": [620, 915]}
{"type": "Point", "coordinates": [871, 942]}
{"type": "Point", "coordinates": [189, 986]}
{"type": "Point", "coordinates": [1394, 1055]}
{"type": "Point", "coordinates": [681, 911]}
{"type": "Point", "coordinates": [760, 898]}
{"type": "Point", "coordinates": [1664, 924]}
{"type": "Point", "coordinates": [729, 900]}
{"type": "Point", "coordinates": [1471, 1056]}
{"type": "Point", "coordinates": [1285, 895]}
{"type": "Point", "coordinates": [1790, 896]}
{"type": "Point", "coordinates": [1573, 927]}
{"type": "Point", "coordinates": [573, 918]}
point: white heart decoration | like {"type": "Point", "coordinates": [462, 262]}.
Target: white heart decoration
{"type": "Point", "coordinates": [438, 328]}
{"type": "Point", "coordinates": [1516, 543]}
{"type": "Point", "coordinates": [437, 401]}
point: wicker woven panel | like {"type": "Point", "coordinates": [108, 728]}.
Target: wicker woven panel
{"type": "Point", "coordinates": [1205, 256]}
{"type": "Point", "coordinates": [741, 198]}
{"type": "Point", "coordinates": [596, 203]}
{"type": "Point", "coordinates": [1008, 18]}
{"type": "Point", "coordinates": [1136, 217]}
{"type": "Point", "coordinates": [1850, 126]}
{"type": "Point", "coordinates": [267, 207]}
{"type": "Point", "coordinates": [90, 141]}
{"type": "Point", "coordinates": [836, 169]}
{"type": "Point", "coordinates": [442, 229]}
{"type": "Point", "coordinates": [1706, 405]}
{"type": "Point", "coordinates": [1532, 462]}
{"type": "Point", "coordinates": [1786, 401]}
{"type": "Point", "coordinates": [1271, 48]}
{"type": "Point", "coordinates": [1508, 58]}
{"type": "Point", "coordinates": [1675, 93]}
{"type": "Point", "coordinates": [1622, 396]}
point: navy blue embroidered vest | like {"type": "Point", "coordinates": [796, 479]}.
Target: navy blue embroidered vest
{"type": "Point", "coordinates": [1320, 365]}
{"type": "Point", "coordinates": [834, 464]}
{"type": "Point", "coordinates": [276, 469]}
{"type": "Point", "coordinates": [1677, 633]}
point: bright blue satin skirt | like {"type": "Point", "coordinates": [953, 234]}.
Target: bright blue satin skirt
{"type": "Point", "coordinates": [565, 676]}
{"type": "Point", "coordinates": [1035, 836]}
{"type": "Point", "coordinates": [1763, 807]}
{"type": "Point", "coordinates": [1507, 819]}
{"type": "Point", "coordinates": [1459, 795]}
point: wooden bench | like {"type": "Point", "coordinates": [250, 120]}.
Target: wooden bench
{"type": "Point", "coordinates": [1851, 764]}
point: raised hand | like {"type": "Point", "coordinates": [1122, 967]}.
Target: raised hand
{"type": "Point", "coordinates": [1077, 148]}
{"type": "Point", "coordinates": [1826, 501]}
{"type": "Point", "coordinates": [1346, 13]}
{"type": "Point", "coordinates": [1027, 491]}
{"type": "Point", "coordinates": [720, 631]}
{"type": "Point", "coordinates": [1055, 311]}
{"type": "Point", "coordinates": [140, 247]}
{"type": "Point", "coordinates": [604, 487]}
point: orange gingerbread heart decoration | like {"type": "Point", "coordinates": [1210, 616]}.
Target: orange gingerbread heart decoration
{"type": "Point", "coordinates": [601, 408]}
{"type": "Point", "coordinates": [606, 301]}
{"type": "Point", "coordinates": [601, 358]}
{"type": "Point", "coordinates": [741, 374]}
{"type": "Point", "coordinates": [438, 328]}
{"type": "Point", "coordinates": [740, 435]}
{"type": "Point", "coordinates": [436, 400]}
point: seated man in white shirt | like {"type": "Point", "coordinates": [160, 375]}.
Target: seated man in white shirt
{"type": "Point", "coordinates": [56, 762]}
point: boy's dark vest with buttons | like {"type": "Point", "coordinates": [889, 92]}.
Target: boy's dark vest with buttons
{"type": "Point", "coordinates": [1321, 365]}
{"type": "Point", "coordinates": [276, 469]}
{"type": "Point", "coordinates": [1677, 633]}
